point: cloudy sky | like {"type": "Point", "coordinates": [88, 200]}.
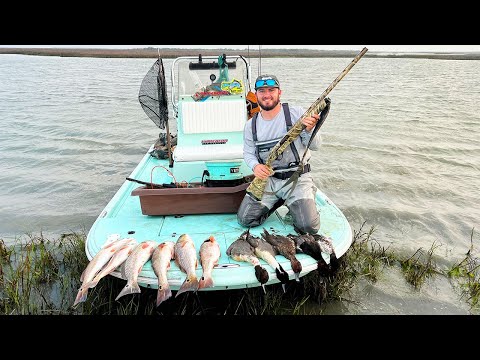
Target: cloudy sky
{"type": "Point", "coordinates": [393, 48]}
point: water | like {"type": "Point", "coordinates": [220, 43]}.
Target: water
{"type": "Point", "coordinates": [400, 152]}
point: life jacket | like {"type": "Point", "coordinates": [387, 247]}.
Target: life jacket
{"type": "Point", "coordinates": [252, 104]}
{"type": "Point", "coordinates": [266, 146]}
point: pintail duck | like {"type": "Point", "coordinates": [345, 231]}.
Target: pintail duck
{"type": "Point", "coordinates": [265, 251]}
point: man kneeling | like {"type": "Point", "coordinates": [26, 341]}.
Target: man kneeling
{"type": "Point", "coordinates": [261, 134]}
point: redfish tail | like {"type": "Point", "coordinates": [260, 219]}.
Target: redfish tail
{"type": "Point", "coordinates": [129, 289]}
{"type": "Point", "coordinates": [190, 284]}
{"type": "Point", "coordinates": [163, 294]}
{"type": "Point", "coordinates": [92, 283]}
{"type": "Point", "coordinates": [83, 275]}
{"type": "Point", "coordinates": [205, 282]}
{"type": "Point", "coordinates": [81, 295]}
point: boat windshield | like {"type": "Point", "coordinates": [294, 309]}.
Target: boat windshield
{"type": "Point", "coordinates": [219, 76]}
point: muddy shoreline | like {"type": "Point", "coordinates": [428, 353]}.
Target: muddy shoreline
{"type": "Point", "coordinates": [173, 53]}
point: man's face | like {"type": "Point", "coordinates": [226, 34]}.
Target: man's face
{"type": "Point", "coordinates": [268, 98]}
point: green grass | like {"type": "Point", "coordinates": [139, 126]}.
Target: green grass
{"type": "Point", "coordinates": [419, 266]}
{"type": "Point", "coordinates": [467, 274]}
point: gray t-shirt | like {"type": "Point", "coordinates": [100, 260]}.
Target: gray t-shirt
{"type": "Point", "coordinates": [275, 129]}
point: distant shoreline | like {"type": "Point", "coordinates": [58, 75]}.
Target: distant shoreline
{"type": "Point", "coordinates": [265, 53]}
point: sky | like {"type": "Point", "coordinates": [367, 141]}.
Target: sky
{"type": "Point", "coordinates": [375, 48]}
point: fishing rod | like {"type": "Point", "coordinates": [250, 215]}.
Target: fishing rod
{"type": "Point", "coordinates": [153, 185]}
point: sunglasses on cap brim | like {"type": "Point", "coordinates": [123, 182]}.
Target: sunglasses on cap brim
{"type": "Point", "coordinates": [269, 82]}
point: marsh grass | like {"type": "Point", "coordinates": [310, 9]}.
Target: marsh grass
{"type": "Point", "coordinates": [366, 258]}
{"type": "Point", "coordinates": [468, 275]}
{"type": "Point", "coordinates": [420, 266]}
{"type": "Point", "coordinates": [4, 259]}
{"type": "Point", "coordinates": [41, 276]}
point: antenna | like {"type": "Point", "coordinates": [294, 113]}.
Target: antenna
{"type": "Point", "coordinates": [259, 60]}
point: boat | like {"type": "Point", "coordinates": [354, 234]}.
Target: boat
{"type": "Point", "coordinates": [193, 182]}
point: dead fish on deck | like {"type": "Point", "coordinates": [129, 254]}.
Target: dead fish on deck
{"type": "Point", "coordinates": [265, 251]}
{"type": "Point", "coordinates": [241, 250]}
{"type": "Point", "coordinates": [112, 244]}
{"type": "Point", "coordinates": [133, 265]}
{"type": "Point", "coordinates": [186, 259]}
{"type": "Point", "coordinates": [116, 260]}
{"type": "Point", "coordinates": [161, 257]}
{"type": "Point", "coordinates": [209, 256]}
{"type": "Point", "coordinates": [286, 247]}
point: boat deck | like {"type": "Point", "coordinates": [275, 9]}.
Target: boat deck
{"type": "Point", "coordinates": [123, 215]}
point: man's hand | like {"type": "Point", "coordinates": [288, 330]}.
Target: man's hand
{"type": "Point", "coordinates": [262, 171]}
{"type": "Point", "coordinates": [310, 122]}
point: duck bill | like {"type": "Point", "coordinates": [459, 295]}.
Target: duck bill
{"type": "Point", "coordinates": [264, 291]}
{"type": "Point", "coordinates": [297, 277]}
{"type": "Point", "coordinates": [284, 289]}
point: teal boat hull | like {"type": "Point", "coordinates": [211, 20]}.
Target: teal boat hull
{"type": "Point", "coordinates": [123, 215]}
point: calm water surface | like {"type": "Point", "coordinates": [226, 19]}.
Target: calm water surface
{"type": "Point", "coordinates": [401, 152]}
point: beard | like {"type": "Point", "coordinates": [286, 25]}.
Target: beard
{"type": "Point", "coordinates": [264, 107]}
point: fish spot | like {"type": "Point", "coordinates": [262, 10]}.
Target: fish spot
{"type": "Point", "coordinates": [131, 232]}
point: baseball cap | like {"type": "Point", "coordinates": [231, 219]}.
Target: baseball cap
{"type": "Point", "coordinates": [266, 81]}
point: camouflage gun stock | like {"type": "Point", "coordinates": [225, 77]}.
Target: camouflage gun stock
{"type": "Point", "coordinates": [257, 187]}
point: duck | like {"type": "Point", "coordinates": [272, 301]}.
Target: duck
{"type": "Point", "coordinates": [265, 251]}
{"type": "Point", "coordinates": [286, 247]}
{"type": "Point", "coordinates": [326, 244]}
{"type": "Point", "coordinates": [241, 250]}
{"type": "Point", "coordinates": [314, 245]}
